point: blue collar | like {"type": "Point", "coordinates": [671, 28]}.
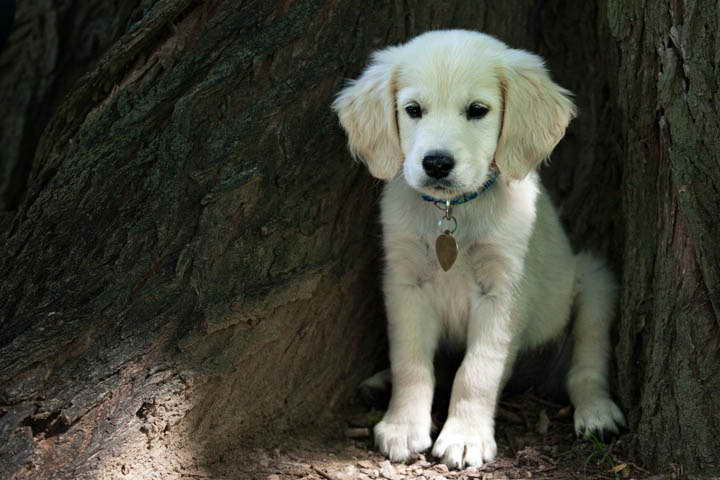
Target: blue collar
{"type": "Point", "coordinates": [464, 198]}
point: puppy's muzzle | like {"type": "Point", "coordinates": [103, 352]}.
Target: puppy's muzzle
{"type": "Point", "coordinates": [438, 164]}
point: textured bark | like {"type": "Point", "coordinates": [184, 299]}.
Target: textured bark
{"type": "Point", "coordinates": [669, 349]}
{"type": "Point", "coordinates": [52, 43]}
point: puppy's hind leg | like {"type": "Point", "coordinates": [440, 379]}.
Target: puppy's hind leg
{"type": "Point", "coordinates": [375, 391]}
{"type": "Point", "coordinates": [587, 380]}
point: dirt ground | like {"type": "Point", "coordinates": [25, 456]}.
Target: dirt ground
{"type": "Point", "coordinates": [535, 440]}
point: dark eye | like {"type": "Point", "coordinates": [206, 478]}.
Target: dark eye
{"type": "Point", "coordinates": [413, 110]}
{"type": "Point", "coordinates": [476, 111]}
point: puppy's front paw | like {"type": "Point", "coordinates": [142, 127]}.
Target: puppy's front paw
{"type": "Point", "coordinates": [461, 447]}
{"type": "Point", "coordinates": [600, 418]}
{"type": "Point", "coordinates": [400, 440]}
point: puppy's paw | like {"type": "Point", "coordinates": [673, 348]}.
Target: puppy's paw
{"type": "Point", "coordinates": [460, 447]}
{"type": "Point", "coordinates": [402, 440]}
{"type": "Point", "coordinates": [599, 418]}
{"type": "Point", "coordinates": [375, 391]}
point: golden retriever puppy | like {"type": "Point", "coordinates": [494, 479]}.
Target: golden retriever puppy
{"type": "Point", "coordinates": [456, 123]}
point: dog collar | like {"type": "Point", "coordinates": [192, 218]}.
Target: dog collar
{"type": "Point", "coordinates": [446, 247]}
{"type": "Point", "coordinates": [466, 197]}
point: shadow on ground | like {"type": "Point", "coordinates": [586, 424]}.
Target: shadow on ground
{"type": "Point", "coordinates": [535, 440]}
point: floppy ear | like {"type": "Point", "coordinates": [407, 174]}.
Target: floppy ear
{"type": "Point", "coordinates": [367, 112]}
{"type": "Point", "coordinates": [536, 113]}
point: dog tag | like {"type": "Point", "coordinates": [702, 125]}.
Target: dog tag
{"type": "Point", "coordinates": [446, 250]}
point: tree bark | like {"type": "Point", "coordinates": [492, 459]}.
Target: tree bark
{"type": "Point", "coordinates": [669, 334]}
{"type": "Point", "coordinates": [52, 43]}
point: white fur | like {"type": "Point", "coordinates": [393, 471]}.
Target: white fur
{"type": "Point", "coordinates": [515, 278]}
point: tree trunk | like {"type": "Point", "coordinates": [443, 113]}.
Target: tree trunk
{"type": "Point", "coordinates": [669, 334]}
{"type": "Point", "coordinates": [193, 261]}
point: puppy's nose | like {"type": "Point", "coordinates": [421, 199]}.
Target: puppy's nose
{"type": "Point", "coordinates": [438, 164]}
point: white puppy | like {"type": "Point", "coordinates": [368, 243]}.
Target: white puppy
{"type": "Point", "coordinates": [441, 118]}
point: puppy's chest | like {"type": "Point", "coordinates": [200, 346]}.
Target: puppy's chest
{"type": "Point", "coordinates": [433, 242]}
{"type": "Point", "coordinates": [428, 255]}
{"type": "Point", "coordinates": [411, 236]}
{"type": "Point", "coordinates": [450, 293]}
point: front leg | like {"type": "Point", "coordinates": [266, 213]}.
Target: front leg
{"type": "Point", "coordinates": [413, 335]}
{"type": "Point", "coordinates": [468, 436]}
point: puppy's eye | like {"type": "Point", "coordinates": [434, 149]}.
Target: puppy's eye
{"type": "Point", "coordinates": [413, 110]}
{"type": "Point", "coordinates": [476, 111]}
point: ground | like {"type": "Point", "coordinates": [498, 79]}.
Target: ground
{"type": "Point", "coordinates": [535, 440]}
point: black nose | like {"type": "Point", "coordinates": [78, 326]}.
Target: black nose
{"type": "Point", "coordinates": [438, 164]}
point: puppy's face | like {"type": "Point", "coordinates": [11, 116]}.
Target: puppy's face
{"type": "Point", "coordinates": [441, 108]}
{"type": "Point", "coordinates": [449, 111]}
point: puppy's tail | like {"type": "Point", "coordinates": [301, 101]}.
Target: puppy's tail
{"type": "Point", "coordinates": [595, 301]}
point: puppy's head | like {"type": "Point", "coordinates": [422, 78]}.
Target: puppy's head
{"type": "Point", "coordinates": [447, 106]}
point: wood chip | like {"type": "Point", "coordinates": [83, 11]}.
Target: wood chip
{"type": "Point", "coordinates": [347, 473]}
{"type": "Point", "coordinates": [357, 432]}
{"type": "Point", "coordinates": [543, 423]}
{"type": "Point", "coordinates": [370, 472]}
{"type": "Point", "coordinates": [473, 472]}
{"type": "Point", "coordinates": [388, 471]}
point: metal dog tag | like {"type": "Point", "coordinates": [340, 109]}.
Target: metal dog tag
{"type": "Point", "coordinates": [446, 250]}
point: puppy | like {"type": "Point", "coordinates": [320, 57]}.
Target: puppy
{"type": "Point", "coordinates": [456, 123]}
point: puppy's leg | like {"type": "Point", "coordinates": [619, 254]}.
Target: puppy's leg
{"type": "Point", "coordinates": [413, 334]}
{"type": "Point", "coordinates": [468, 436]}
{"type": "Point", "coordinates": [587, 380]}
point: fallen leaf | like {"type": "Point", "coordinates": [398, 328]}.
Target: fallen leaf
{"type": "Point", "coordinates": [565, 412]}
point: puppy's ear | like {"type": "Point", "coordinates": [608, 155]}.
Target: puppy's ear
{"type": "Point", "coordinates": [367, 112]}
{"type": "Point", "coordinates": [536, 113]}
